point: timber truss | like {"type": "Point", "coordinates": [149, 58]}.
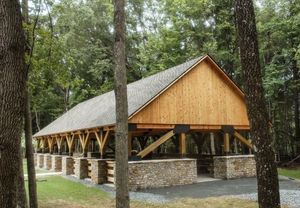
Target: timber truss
{"type": "Point", "coordinates": [166, 131]}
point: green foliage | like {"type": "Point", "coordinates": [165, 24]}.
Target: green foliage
{"type": "Point", "coordinates": [278, 24]}
{"type": "Point", "coordinates": [73, 57]}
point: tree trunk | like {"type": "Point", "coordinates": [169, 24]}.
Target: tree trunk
{"type": "Point", "coordinates": [12, 88]}
{"type": "Point", "coordinates": [267, 176]}
{"type": "Point", "coordinates": [28, 122]}
{"type": "Point", "coordinates": [21, 195]}
{"type": "Point", "coordinates": [121, 135]}
{"type": "Point", "coordinates": [296, 109]}
{"type": "Point", "coordinates": [29, 154]}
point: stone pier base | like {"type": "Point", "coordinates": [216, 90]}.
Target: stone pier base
{"type": "Point", "coordinates": [40, 160]}
{"type": "Point", "coordinates": [56, 163]}
{"type": "Point", "coordinates": [35, 159]}
{"type": "Point", "coordinates": [67, 165]}
{"type": "Point", "coordinates": [161, 173]}
{"type": "Point", "coordinates": [238, 166]}
{"type": "Point", "coordinates": [47, 162]}
{"type": "Point", "coordinates": [81, 168]}
{"type": "Point", "coordinates": [98, 171]}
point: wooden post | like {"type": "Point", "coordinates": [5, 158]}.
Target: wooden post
{"type": "Point", "coordinates": [182, 144]}
{"type": "Point", "coordinates": [43, 145]}
{"type": "Point", "coordinates": [235, 146]}
{"type": "Point", "coordinates": [129, 143]}
{"type": "Point", "coordinates": [70, 142]}
{"type": "Point", "coordinates": [102, 140]}
{"type": "Point", "coordinates": [226, 143]}
{"type": "Point", "coordinates": [38, 145]}
{"type": "Point", "coordinates": [50, 144]}
{"type": "Point", "coordinates": [84, 141]}
{"type": "Point", "coordinates": [212, 143]}
{"type": "Point", "coordinates": [59, 143]}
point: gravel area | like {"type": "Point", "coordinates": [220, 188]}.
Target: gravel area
{"type": "Point", "coordinates": [239, 188]}
{"type": "Point", "coordinates": [290, 198]}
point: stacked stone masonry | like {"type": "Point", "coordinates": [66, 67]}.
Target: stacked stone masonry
{"type": "Point", "coordinates": [47, 162]}
{"type": "Point", "coordinates": [161, 173]}
{"type": "Point", "coordinates": [56, 163]}
{"type": "Point", "coordinates": [230, 167]}
{"type": "Point", "coordinates": [35, 159]}
{"type": "Point", "coordinates": [98, 171]}
{"type": "Point", "coordinates": [67, 165]}
{"type": "Point", "coordinates": [81, 167]}
{"type": "Point", "coordinates": [40, 160]}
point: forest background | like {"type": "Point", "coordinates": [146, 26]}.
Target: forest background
{"type": "Point", "coordinates": [72, 57]}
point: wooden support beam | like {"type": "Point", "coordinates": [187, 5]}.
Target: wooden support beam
{"type": "Point", "coordinates": [84, 140]}
{"type": "Point", "coordinates": [192, 127]}
{"type": "Point", "coordinates": [226, 143]}
{"type": "Point", "coordinates": [38, 144]}
{"type": "Point", "coordinates": [70, 142]}
{"type": "Point", "coordinates": [155, 144]}
{"type": "Point", "coordinates": [212, 143]}
{"type": "Point", "coordinates": [43, 144]}
{"type": "Point", "coordinates": [50, 144]}
{"type": "Point", "coordinates": [182, 144]}
{"type": "Point", "coordinates": [59, 142]}
{"type": "Point", "coordinates": [243, 140]}
{"type": "Point", "coordinates": [99, 137]}
{"type": "Point", "coordinates": [102, 140]}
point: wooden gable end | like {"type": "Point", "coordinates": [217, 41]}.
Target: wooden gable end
{"type": "Point", "coordinates": [203, 96]}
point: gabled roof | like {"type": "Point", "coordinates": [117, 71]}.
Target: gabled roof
{"type": "Point", "coordinates": [100, 111]}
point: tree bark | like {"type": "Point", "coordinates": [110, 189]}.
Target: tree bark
{"type": "Point", "coordinates": [28, 122]}
{"type": "Point", "coordinates": [267, 176]}
{"type": "Point", "coordinates": [121, 135]}
{"type": "Point", "coordinates": [296, 109]}
{"type": "Point", "coordinates": [33, 202]}
{"type": "Point", "coordinates": [12, 88]}
{"type": "Point", "coordinates": [21, 195]}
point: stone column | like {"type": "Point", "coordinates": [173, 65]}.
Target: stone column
{"type": "Point", "coordinates": [98, 171]}
{"type": "Point", "coordinates": [238, 166]}
{"type": "Point", "coordinates": [47, 162]}
{"type": "Point", "coordinates": [81, 168]}
{"type": "Point", "coordinates": [35, 159]}
{"type": "Point", "coordinates": [40, 160]}
{"type": "Point", "coordinates": [56, 163]}
{"type": "Point", "coordinates": [67, 165]}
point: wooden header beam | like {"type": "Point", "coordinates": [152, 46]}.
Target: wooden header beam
{"type": "Point", "coordinates": [192, 127]}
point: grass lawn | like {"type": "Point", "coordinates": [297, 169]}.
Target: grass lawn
{"type": "Point", "coordinates": [56, 191]}
{"type": "Point", "coordinates": [291, 173]}
{"type": "Point", "coordinates": [37, 170]}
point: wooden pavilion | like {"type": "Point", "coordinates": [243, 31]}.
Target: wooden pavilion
{"type": "Point", "coordinates": [196, 96]}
